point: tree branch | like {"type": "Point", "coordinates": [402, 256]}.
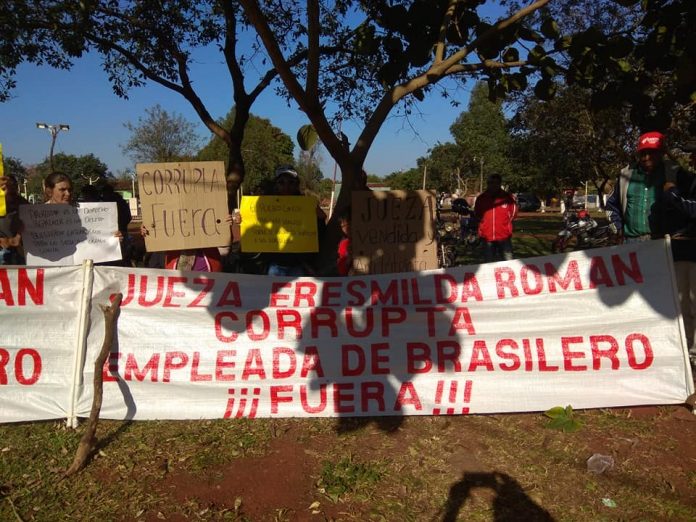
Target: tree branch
{"type": "Point", "coordinates": [111, 314]}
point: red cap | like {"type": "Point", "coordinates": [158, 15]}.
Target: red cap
{"type": "Point", "coordinates": [651, 140]}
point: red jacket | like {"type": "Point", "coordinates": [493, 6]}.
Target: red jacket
{"type": "Point", "coordinates": [495, 213]}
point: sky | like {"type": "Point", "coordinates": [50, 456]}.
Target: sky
{"type": "Point", "coordinates": [83, 98]}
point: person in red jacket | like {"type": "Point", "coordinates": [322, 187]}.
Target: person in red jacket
{"type": "Point", "coordinates": [495, 209]}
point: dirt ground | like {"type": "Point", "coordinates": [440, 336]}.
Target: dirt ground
{"type": "Point", "coordinates": [496, 467]}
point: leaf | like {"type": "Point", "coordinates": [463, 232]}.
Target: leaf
{"type": "Point", "coordinates": [545, 89]}
{"type": "Point", "coordinates": [511, 55]}
{"type": "Point", "coordinates": [555, 412]}
{"type": "Point", "coordinates": [307, 137]}
{"type": "Point", "coordinates": [549, 28]}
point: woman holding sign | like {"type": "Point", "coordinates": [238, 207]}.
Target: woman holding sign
{"type": "Point", "coordinates": [58, 188]}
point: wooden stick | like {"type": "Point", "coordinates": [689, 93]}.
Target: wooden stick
{"type": "Point", "coordinates": [87, 442]}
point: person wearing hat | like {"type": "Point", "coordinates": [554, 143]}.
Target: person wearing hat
{"type": "Point", "coordinates": [287, 183]}
{"type": "Point", "coordinates": [654, 198]}
{"type": "Point", "coordinates": [636, 204]}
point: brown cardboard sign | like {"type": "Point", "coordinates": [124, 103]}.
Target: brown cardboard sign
{"type": "Point", "coordinates": [184, 205]}
{"type": "Point", "coordinates": [393, 231]}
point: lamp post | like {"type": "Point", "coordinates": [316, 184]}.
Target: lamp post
{"type": "Point", "coordinates": [54, 130]}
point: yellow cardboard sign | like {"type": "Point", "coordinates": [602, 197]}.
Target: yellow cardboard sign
{"type": "Point", "coordinates": [3, 207]}
{"type": "Point", "coordinates": [286, 224]}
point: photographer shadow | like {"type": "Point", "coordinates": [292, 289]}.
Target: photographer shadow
{"type": "Point", "coordinates": [510, 502]}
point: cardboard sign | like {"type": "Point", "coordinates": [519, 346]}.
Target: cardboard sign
{"type": "Point", "coordinates": [184, 205]}
{"type": "Point", "coordinates": [285, 224]}
{"type": "Point", "coordinates": [63, 235]}
{"type": "Point", "coordinates": [393, 231]}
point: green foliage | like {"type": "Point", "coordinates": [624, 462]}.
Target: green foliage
{"type": "Point", "coordinates": [80, 169]}
{"type": "Point", "coordinates": [14, 167]}
{"type": "Point", "coordinates": [445, 165]}
{"type": "Point", "coordinates": [264, 148]}
{"type": "Point", "coordinates": [411, 179]}
{"type": "Point", "coordinates": [562, 419]}
{"type": "Point", "coordinates": [562, 143]}
{"type": "Point", "coordinates": [307, 137]}
{"type": "Point", "coordinates": [161, 137]}
{"type": "Point", "coordinates": [347, 476]}
{"type": "Point", "coordinates": [481, 132]}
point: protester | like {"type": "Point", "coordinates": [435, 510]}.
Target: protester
{"type": "Point", "coordinates": [654, 198]}
{"type": "Point", "coordinates": [344, 263]}
{"type": "Point", "coordinates": [58, 188]}
{"type": "Point", "coordinates": [194, 260]}
{"type": "Point", "coordinates": [287, 183]}
{"type": "Point", "coordinates": [495, 209]}
{"type": "Point", "coordinates": [683, 242]}
{"type": "Point", "coordinates": [124, 217]}
{"type": "Point", "coordinates": [636, 205]}
{"type": "Point", "coordinates": [10, 237]}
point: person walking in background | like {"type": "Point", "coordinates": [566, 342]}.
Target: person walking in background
{"type": "Point", "coordinates": [495, 209]}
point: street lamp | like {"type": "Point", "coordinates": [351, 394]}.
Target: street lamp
{"type": "Point", "coordinates": [54, 130]}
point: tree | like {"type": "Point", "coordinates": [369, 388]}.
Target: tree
{"type": "Point", "coordinates": [153, 41]}
{"type": "Point", "coordinates": [161, 137]}
{"type": "Point", "coordinates": [411, 179]}
{"type": "Point", "coordinates": [14, 167]}
{"type": "Point", "coordinates": [264, 148]}
{"type": "Point", "coordinates": [482, 136]}
{"type": "Point", "coordinates": [82, 170]}
{"type": "Point", "coordinates": [563, 143]}
{"type": "Point", "coordinates": [443, 167]}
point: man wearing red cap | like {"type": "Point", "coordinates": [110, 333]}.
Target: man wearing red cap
{"type": "Point", "coordinates": [654, 198]}
{"type": "Point", "coordinates": [636, 206]}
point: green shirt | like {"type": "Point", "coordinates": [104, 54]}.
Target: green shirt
{"type": "Point", "coordinates": [641, 194]}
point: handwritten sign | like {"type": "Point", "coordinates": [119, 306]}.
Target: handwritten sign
{"type": "Point", "coordinates": [393, 231]}
{"type": "Point", "coordinates": [63, 235]}
{"type": "Point", "coordinates": [184, 205]}
{"type": "Point", "coordinates": [279, 224]}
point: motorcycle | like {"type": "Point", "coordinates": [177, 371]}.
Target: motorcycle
{"type": "Point", "coordinates": [580, 231]}
{"type": "Point", "coordinates": [453, 231]}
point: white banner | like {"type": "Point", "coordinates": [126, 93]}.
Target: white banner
{"type": "Point", "coordinates": [598, 328]}
{"type": "Point", "coordinates": [63, 235]}
{"type": "Point", "coordinates": [40, 313]}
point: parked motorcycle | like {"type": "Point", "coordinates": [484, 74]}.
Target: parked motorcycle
{"type": "Point", "coordinates": [580, 231]}
{"type": "Point", "coordinates": [454, 230]}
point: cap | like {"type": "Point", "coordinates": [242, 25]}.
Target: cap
{"type": "Point", "coordinates": [651, 141]}
{"type": "Point", "coordinates": [286, 170]}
